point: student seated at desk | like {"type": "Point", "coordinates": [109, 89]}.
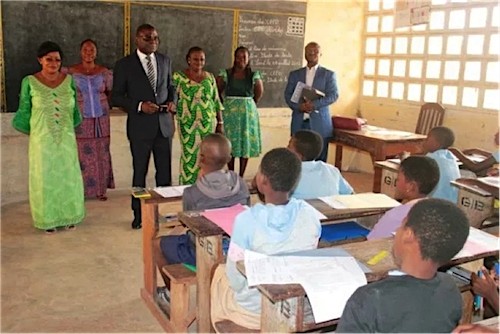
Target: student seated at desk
{"type": "Point", "coordinates": [482, 167]}
{"type": "Point", "coordinates": [317, 177]}
{"type": "Point", "coordinates": [418, 299]}
{"type": "Point", "coordinates": [417, 177]}
{"type": "Point", "coordinates": [280, 225]}
{"type": "Point", "coordinates": [436, 146]}
{"type": "Point", "coordinates": [214, 188]}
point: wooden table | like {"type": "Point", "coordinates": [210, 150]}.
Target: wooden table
{"type": "Point", "coordinates": [285, 307]}
{"type": "Point", "coordinates": [389, 175]}
{"type": "Point", "coordinates": [149, 209]}
{"type": "Point", "coordinates": [381, 143]}
{"type": "Point", "coordinates": [476, 199]}
{"type": "Point", "coordinates": [209, 250]}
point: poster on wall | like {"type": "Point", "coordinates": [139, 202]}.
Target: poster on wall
{"type": "Point", "coordinates": [411, 12]}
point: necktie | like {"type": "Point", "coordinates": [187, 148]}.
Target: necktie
{"type": "Point", "coordinates": [151, 73]}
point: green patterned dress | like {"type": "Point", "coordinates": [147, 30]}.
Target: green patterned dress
{"type": "Point", "coordinates": [49, 116]}
{"type": "Point", "coordinates": [241, 117]}
{"type": "Point", "coordinates": [197, 108]}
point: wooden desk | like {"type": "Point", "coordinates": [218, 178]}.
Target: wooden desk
{"type": "Point", "coordinates": [381, 143]}
{"type": "Point", "coordinates": [476, 199]}
{"type": "Point", "coordinates": [389, 172]}
{"type": "Point", "coordinates": [285, 307]}
{"type": "Point", "coordinates": [209, 250]}
{"type": "Point", "coordinates": [149, 209]}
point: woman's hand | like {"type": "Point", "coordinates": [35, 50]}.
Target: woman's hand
{"type": "Point", "coordinates": [219, 128]}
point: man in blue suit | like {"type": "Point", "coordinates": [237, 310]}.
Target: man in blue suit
{"type": "Point", "coordinates": [313, 115]}
{"type": "Point", "coordinates": [142, 85]}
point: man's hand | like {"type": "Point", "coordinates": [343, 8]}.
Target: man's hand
{"type": "Point", "coordinates": [149, 107]}
{"type": "Point", "coordinates": [171, 107]}
{"type": "Point", "coordinates": [307, 106]}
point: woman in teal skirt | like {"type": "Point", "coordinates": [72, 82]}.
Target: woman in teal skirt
{"type": "Point", "coordinates": [242, 88]}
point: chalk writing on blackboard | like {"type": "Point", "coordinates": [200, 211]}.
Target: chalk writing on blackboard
{"type": "Point", "coordinates": [275, 44]}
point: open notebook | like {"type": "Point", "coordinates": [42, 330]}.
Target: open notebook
{"type": "Point", "coordinates": [175, 191]}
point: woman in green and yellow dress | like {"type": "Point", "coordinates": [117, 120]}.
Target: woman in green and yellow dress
{"type": "Point", "coordinates": [48, 113]}
{"type": "Point", "coordinates": [198, 111]}
{"type": "Point", "coordinates": [242, 89]}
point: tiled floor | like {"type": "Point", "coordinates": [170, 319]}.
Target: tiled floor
{"type": "Point", "coordinates": [87, 280]}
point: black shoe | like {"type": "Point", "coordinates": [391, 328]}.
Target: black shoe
{"type": "Point", "coordinates": [136, 224]}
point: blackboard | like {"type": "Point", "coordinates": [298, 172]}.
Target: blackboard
{"type": "Point", "coordinates": [276, 48]}
{"type": "Point", "coordinates": [272, 30]}
{"type": "Point", "coordinates": [26, 24]}
{"type": "Point", "coordinates": [182, 28]}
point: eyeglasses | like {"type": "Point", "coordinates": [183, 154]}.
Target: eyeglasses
{"type": "Point", "coordinates": [150, 39]}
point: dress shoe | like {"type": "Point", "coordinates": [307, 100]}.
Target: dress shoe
{"type": "Point", "coordinates": [136, 224]}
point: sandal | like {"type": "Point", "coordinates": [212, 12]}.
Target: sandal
{"type": "Point", "coordinates": [102, 198]}
{"type": "Point", "coordinates": [50, 231]}
{"type": "Point", "coordinates": [70, 227]}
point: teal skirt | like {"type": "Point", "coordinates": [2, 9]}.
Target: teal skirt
{"type": "Point", "coordinates": [242, 126]}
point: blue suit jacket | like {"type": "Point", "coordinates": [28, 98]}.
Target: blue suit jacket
{"type": "Point", "coordinates": [325, 81]}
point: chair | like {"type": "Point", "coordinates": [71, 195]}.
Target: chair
{"type": "Point", "coordinates": [431, 115]}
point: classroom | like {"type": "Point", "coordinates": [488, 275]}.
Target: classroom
{"type": "Point", "coordinates": [90, 280]}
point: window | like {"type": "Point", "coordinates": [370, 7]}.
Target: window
{"type": "Point", "coordinates": [452, 60]}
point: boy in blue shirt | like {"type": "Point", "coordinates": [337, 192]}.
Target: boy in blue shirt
{"type": "Point", "coordinates": [436, 147]}
{"type": "Point", "coordinates": [281, 225]}
{"type": "Point", "coordinates": [317, 178]}
{"type": "Point", "coordinates": [417, 299]}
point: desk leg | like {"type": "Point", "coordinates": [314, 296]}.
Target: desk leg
{"type": "Point", "coordinates": [338, 156]}
{"type": "Point", "coordinates": [377, 179]}
{"type": "Point", "coordinates": [208, 255]}
{"type": "Point", "coordinates": [279, 317]}
{"type": "Point", "coordinates": [467, 307]}
{"type": "Point", "coordinates": [149, 231]}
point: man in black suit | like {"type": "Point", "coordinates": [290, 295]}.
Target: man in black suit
{"type": "Point", "coordinates": [142, 85]}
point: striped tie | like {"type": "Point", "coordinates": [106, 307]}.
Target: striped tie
{"type": "Point", "coordinates": [151, 73]}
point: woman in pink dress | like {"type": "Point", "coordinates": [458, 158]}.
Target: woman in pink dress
{"type": "Point", "coordinates": [94, 83]}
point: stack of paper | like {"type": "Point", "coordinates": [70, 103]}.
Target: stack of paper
{"type": "Point", "coordinates": [477, 243]}
{"type": "Point", "coordinates": [360, 201]}
{"type": "Point", "coordinates": [167, 192]}
{"type": "Point", "coordinates": [328, 281]}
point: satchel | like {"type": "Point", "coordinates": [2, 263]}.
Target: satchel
{"type": "Point", "coordinates": [348, 123]}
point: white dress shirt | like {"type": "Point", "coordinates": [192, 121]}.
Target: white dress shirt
{"type": "Point", "coordinates": [144, 62]}
{"type": "Point", "coordinates": [310, 73]}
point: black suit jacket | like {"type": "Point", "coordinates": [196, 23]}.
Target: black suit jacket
{"type": "Point", "coordinates": [131, 86]}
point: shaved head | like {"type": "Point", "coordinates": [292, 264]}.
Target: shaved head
{"type": "Point", "coordinates": [215, 152]}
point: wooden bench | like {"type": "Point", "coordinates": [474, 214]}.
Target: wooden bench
{"type": "Point", "coordinates": [227, 326]}
{"type": "Point", "coordinates": [182, 280]}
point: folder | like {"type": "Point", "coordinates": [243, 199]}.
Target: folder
{"type": "Point", "coordinates": [302, 91]}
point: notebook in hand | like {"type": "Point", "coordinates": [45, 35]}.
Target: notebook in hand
{"type": "Point", "coordinates": [311, 94]}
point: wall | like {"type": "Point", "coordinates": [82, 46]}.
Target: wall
{"type": "Point", "coordinates": [334, 25]}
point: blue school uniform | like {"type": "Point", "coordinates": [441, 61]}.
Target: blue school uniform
{"type": "Point", "coordinates": [448, 171]}
{"type": "Point", "coordinates": [269, 229]}
{"type": "Point", "coordinates": [319, 179]}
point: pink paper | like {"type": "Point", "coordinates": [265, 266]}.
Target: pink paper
{"type": "Point", "coordinates": [224, 218]}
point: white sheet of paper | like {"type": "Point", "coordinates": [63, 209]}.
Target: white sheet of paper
{"type": "Point", "coordinates": [360, 201]}
{"type": "Point", "coordinates": [490, 180]}
{"type": "Point", "coordinates": [175, 191]}
{"type": "Point", "coordinates": [328, 281]}
{"type": "Point", "coordinates": [478, 242]}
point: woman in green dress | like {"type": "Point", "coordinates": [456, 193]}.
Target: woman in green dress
{"type": "Point", "coordinates": [242, 89]}
{"type": "Point", "coordinates": [198, 111]}
{"type": "Point", "coordinates": [48, 113]}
